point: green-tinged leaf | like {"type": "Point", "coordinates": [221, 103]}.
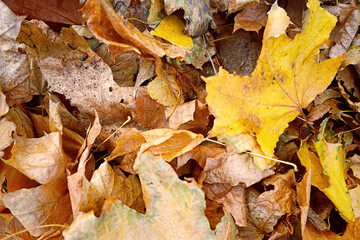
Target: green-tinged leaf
{"type": "Point", "coordinates": [328, 172]}
{"type": "Point", "coordinates": [196, 13]}
{"type": "Point", "coordinates": [174, 210]}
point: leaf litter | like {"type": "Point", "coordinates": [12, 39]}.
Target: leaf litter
{"type": "Point", "coordinates": [110, 132]}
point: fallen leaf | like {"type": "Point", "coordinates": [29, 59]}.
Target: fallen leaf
{"type": "Point", "coordinates": [64, 11]}
{"type": "Point", "coordinates": [6, 134]}
{"type": "Point", "coordinates": [355, 200]}
{"type": "Point", "coordinates": [260, 219]}
{"type": "Point", "coordinates": [231, 5]}
{"type": "Point", "coordinates": [160, 221]}
{"type": "Point", "coordinates": [156, 7]}
{"type": "Point", "coordinates": [244, 143]}
{"type": "Point", "coordinates": [122, 36]}
{"type": "Point", "coordinates": [303, 190]}
{"type": "Point", "coordinates": [277, 22]}
{"type": "Point", "coordinates": [77, 180]}
{"type": "Point", "coordinates": [286, 79]}
{"type": "Point", "coordinates": [196, 13]}
{"type": "Point", "coordinates": [328, 172]}
{"type": "Point", "coordinates": [171, 29]}
{"type": "Point", "coordinates": [41, 159]}
{"type": "Point", "coordinates": [234, 203]}
{"type": "Point", "coordinates": [4, 108]}
{"type": "Point", "coordinates": [170, 143]}
{"type": "Point", "coordinates": [105, 182]}
{"type": "Point", "coordinates": [345, 30]}
{"type": "Point", "coordinates": [252, 18]}
{"type": "Point", "coordinates": [234, 169]}
{"type": "Point", "coordinates": [201, 154]}
{"type": "Point", "coordinates": [147, 112]}
{"type": "Point", "coordinates": [281, 200]}
{"type": "Point", "coordinates": [10, 225]}
{"type": "Point", "coordinates": [161, 91]}
{"type": "Point", "coordinates": [14, 65]}
{"type": "Point", "coordinates": [129, 140]}
{"type": "Point", "coordinates": [192, 115]}
{"type": "Point", "coordinates": [45, 204]}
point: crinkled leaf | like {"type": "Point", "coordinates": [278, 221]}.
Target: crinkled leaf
{"type": "Point", "coordinates": [174, 210]}
{"type": "Point", "coordinates": [196, 13]}
{"type": "Point", "coordinates": [286, 79]}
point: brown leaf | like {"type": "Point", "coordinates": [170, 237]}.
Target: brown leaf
{"type": "Point", "coordinates": [88, 87]}
{"type": "Point", "coordinates": [234, 169]}
{"type": "Point", "coordinates": [41, 159]}
{"type": "Point", "coordinates": [232, 199]}
{"type": "Point", "coordinates": [6, 131]}
{"type": "Point", "coordinates": [147, 112]}
{"type": "Point", "coordinates": [260, 218]}
{"type": "Point", "coordinates": [14, 65]}
{"type": "Point", "coordinates": [46, 204]}
{"type": "Point", "coordinates": [200, 154]}
{"type": "Point", "coordinates": [24, 125]}
{"type": "Point", "coordinates": [77, 180]}
{"type": "Point", "coordinates": [252, 18]}
{"type": "Point", "coordinates": [63, 11]}
{"type": "Point", "coordinates": [191, 115]}
{"type": "Point", "coordinates": [281, 200]}
{"type": "Point", "coordinates": [346, 28]}
{"type": "Point", "coordinates": [303, 190]}
{"type": "Point", "coordinates": [311, 232]}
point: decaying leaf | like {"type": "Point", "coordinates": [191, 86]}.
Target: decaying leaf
{"type": "Point", "coordinates": [286, 79]}
{"type": "Point", "coordinates": [174, 209]}
{"type": "Point", "coordinates": [196, 13]}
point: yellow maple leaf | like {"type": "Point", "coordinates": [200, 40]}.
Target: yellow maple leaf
{"type": "Point", "coordinates": [286, 79]}
{"type": "Point", "coordinates": [328, 172]}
